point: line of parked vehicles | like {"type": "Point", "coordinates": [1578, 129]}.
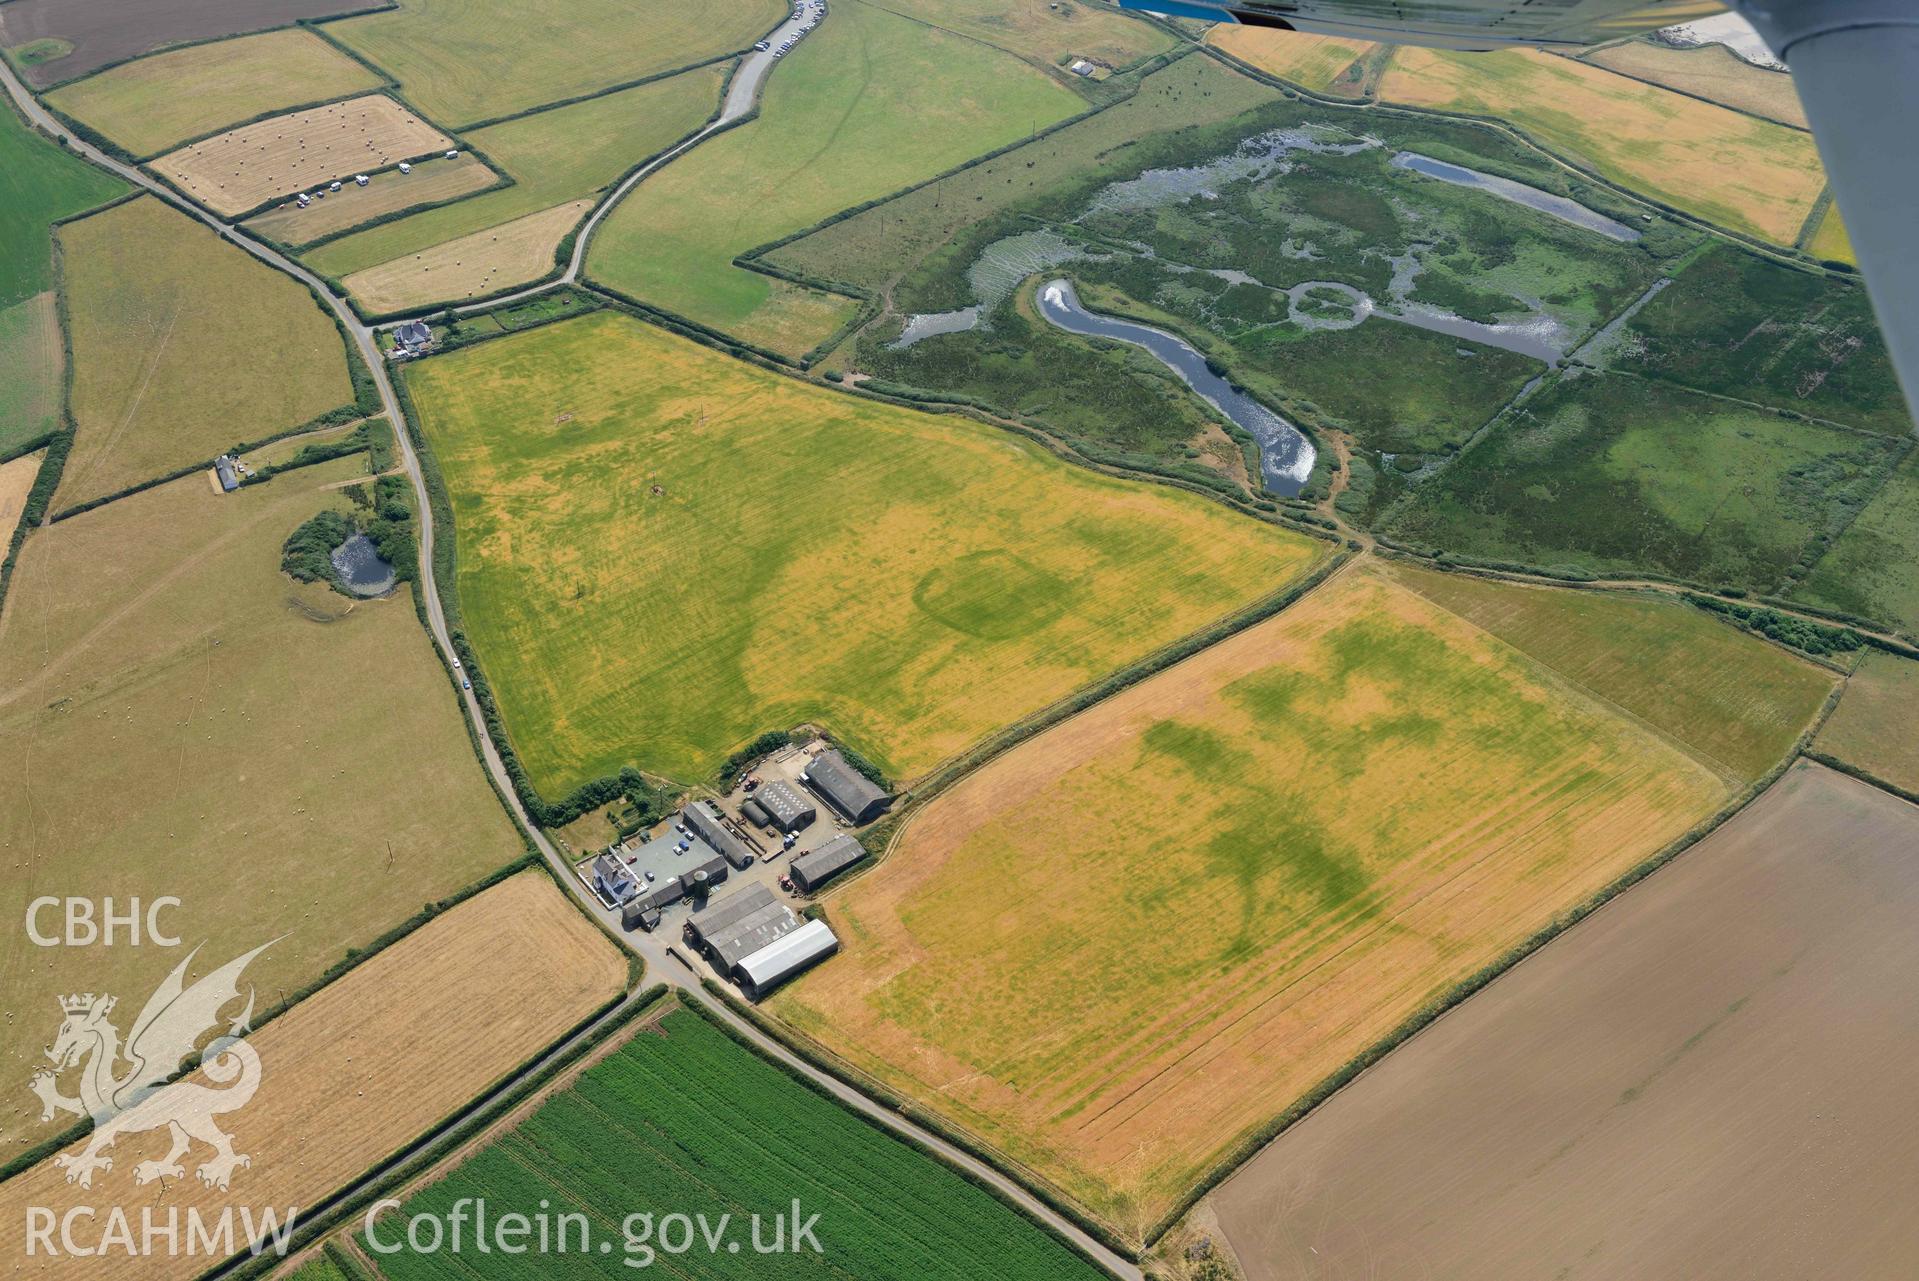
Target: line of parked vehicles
{"type": "Point", "coordinates": [812, 11]}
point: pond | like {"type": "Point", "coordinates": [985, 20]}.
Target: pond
{"type": "Point", "coordinates": [358, 563]}
{"type": "Point", "coordinates": [1285, 455]}
{"type": "Point", "coordinates": [1518, 192]}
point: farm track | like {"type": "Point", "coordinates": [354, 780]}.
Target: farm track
{"type": "Point", "coordinates": [663, 964]}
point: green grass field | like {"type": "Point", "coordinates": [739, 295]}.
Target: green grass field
{"type": "Point", "coordinates": [464, 61]}
{"type": "Point", "coordinates": [708, 1128]}
{"type": "Point", "coordinates": [1872, 727]}
{"type": "Point", "coordinates": [1872, 569]}
{"type": "Point", "coordinates": [285, 761]}
{"type": "Point", "coordinates": [1744, 326]}
{"type": "Point", "coordinates": [38, 183]}
{"type": "Point", "coordinates": [30, 365]}
{"type": "Point", "coordinates": [1044, 34]}
{"type": "Point", "coordinates": [152, 104]}
{"type": "Point", "coordinates": [1732, 700]}
{"type": "Point", "coordinates": [868, 103]}
{"type": "Point", "coordinates": [664, 553]}
{"type": "Point", "coordinates": [183, 346]}
{"type": "Point", "coordinates": [1616, 474]}
{"type": "Point", "coordinates": [553, 157]}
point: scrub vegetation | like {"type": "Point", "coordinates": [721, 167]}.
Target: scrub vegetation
{"type": "Point", "coordinates": [1872, 570]}
{"type": "Point", "coordinates": [727, 551]}
{"type": "Point", "coordinates": [1173, 915]}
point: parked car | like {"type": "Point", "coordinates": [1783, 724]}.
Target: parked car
{"type": "Point", "coordinates": [786, 883]}
{"type": "Point", "coordinates": [762, 46]}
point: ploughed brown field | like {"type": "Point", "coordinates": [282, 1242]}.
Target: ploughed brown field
{"type": "Point", "coordinates": [1712, 1077]}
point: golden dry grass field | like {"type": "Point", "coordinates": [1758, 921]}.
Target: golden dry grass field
{"type": "Point", "coordinates": [1710, 1078]}
{"type": "Point", "coordinates": [1876, 725]}
{"type": "Point", "coordinates": [157, 102]}
{"type": "Point", "coordinates": [177, 717]}
{"type": "Point", "coordinates": [360, 1068]}
{"type": "Point", "coordinates": [1170, 917]}
{"type": "Point", "coordinates": [245, 167]}
{"type": "Point", "coordinates": [431, 181]}
{"type": "Point", "coordinates": [1312, 61]}
{"type": "Point", "coordinates": [16, 481]}
{"type": "Point", "coordinates": [1711, 71]}
{"type": "Point", "coordinates": [664, 552]}
{"type": "Point", "coordinates": [1749, 175]}
{"type": "Point", "coordinates": [183, 346]}
{"type": "Point", "coordinates": [472, 266]}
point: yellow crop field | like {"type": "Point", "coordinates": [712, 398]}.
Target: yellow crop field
{"type": "Point", "coordinates": [1173, 915]}
{"type": "Point", "coordinates": [182, 346]}
{"type": "Point", "coordinates": [1312, 61]}
{"type": "Point", "coordinates": [246, 167]}
{"type": "Point", "coordinates": [356, 1071]}
{"type": "Point", "coordinates": [472, 266]}
{"type": "Point", "coordinates": [286, 762]}
{"type": "Point", "coordinates": [1831, 241]}
{"type": "Point", "coordinates": [156, 102]}
{"type": "Point", "coordinates": [1728, 168]}
{"type": "Point", "coordinates": [1711, 71]}
{"type": "Point", "coordinates": [431, 181]}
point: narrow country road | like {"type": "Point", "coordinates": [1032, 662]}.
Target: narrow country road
{"type": "Point", "coordinates": [661, 964]}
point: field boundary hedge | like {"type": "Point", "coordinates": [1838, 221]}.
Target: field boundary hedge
{"type": "Point", "coordinates": [1862, 774]}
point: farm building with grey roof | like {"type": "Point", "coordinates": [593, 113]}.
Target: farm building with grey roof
{"type": "Point", "coordinates": [854, 795]}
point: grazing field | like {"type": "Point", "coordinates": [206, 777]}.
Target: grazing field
{"type": "Point", "coordinates": [472, 266]}
{"type": "Point", "coordinates": [733, 551]}
{"type": "Point", "coordinates": [39, 182]}
{"type": "Point", "coordinates": [1044, 33]}
{"type": "Point", "coordinates": [706, 1126]}
{"type": "Point", "coordinates": [552, 156]}
{"type": "Point", "coordinates": [1746, 327]}
{"type": "Point", "coordinates": [246, 167]}
{"type": "Point", "coordinates": [94, 35]}
{"type": "Point", "coordinates": [1711, 71]}
{"type": "Point", "coordinates": [1313, 61]}
{"type": "Point", "coordinates": [1872, 569]}
{"type": "Point", "coordinates": [1734, 701]}
{"type": "Point", "coordinates": [1872, 727]}
{"type": "Point", "coordinates": [1614, 474]}
{"type": "Point", "coordinates": [1831, 242]}
{"type": "Point", "coordinates": [31, 361]}
{"type": "Point", "coordinates": [363, 1066]}
{"type": "Point", "coordinates": [169, 365]}
{"type": "Point", "coordinates": [465, 61]}
{"type": "Point", "coordinates": [1178, 912]}
{"type": "Point", "coordinates": [868, 103]}
{"type": "Point", "coordinates": [16, 481]}
{"type": "Point", "coordinates": [1620, 1105]}
{"type": "Point", "coordinates": [430, 182]}
{"type": "Point", "coordinates": [287, 762]}
{"type": "Point", "coordinates": [1728, 168]}
{"type": "Point", "coordinates": [160, 101]}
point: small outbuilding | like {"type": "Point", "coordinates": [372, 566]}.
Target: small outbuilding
{"type": "Point", "coordinates": [785, 957]}
{"type": "Point", "coordinates": [858, 798]}
{"type": "Point", "coordinates": [223, 468]}
{"type": "Point", "coordinates": [711, 828]}
{"type": "Point", "coordinates": [816, 867]}
{"type": "Point", "coordinates": [785, 806]}
{"type": "Point", "coordinates": [755, 813]}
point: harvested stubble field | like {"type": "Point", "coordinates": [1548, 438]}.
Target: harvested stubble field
{"type": "Point", "coordinates": [431, 181]}
{"type": "Point", "coordinates": [156, 102]}
{"type": "Point", "coordinates": [703, 1124]}
{"type": "Point", "coordinates": [1710, 1078]}
{"type": "Point", "coordinates": [664, 552]}
{"type": "Point", "coordinates": [472, 266]}
{"type": "Point", "coordinates": [283, 760]}
{"type": "Point", "coordinates": [39, 182]}
{"type": "Point", "coordinates": [169, 363]}
{"type": "Point", "coordinates": [464, 61]}
{"type": "Point", "coordinates": [356, 1071]}
{"type": "Point", "coordinates": [1175, 914]}
{"type": "Point", "coordinates": [102, 33]}
{"type": "Point", "coordinates": [1313, 61]}
{"type": "Point", "coordinates": [246, 167]}
{"type": "Point", "coordinates": [1710, 71]}
{"type": "Point", "coordinates": [31, 361]}
{"type": "Point", "coordinates": [16, 481]}
{"type": "Point", "coordinates": [1726, 167]}
{"type": "Point", "coordinates": [868, 103]}
{"type": "Point", "coordinates": [1873, 726]}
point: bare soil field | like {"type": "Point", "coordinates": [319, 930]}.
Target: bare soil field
{"type": "Point", "coordinates": [1876, 725]}
{"type": "Point", "coordinates": [16, 481]}
{"type": "Point", "coordinates": [1172, 916]}
{"type": "Point", "coordinates": [362, 1067]}
{"type": "Point", "coordinates": [1710, 1078]}
{"type": "Point", "coordinates": [1711, 71]}
{"type": "Point", "coordinates": [472, 266]}
{"type": "Point", "coordinates": [157, 102]}
{"type": "Point", "coordinates": [1313, 61]}
{"type": "Point", "coordinates": [431, 181]}
{"type": "Point", "coordinates": [109, 30]}
{"type": "Point", "coordinates": [244, 167]}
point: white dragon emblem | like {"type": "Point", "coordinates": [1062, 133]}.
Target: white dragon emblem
{"type": "Point", "coordinates": [138, 1099]}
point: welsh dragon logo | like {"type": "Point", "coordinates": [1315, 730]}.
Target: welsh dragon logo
{"type": "Point", "coordinates": [123, 1086]}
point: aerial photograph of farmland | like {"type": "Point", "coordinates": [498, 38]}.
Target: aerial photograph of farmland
{"type": "Point", "coordinates": [1007, 640]}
